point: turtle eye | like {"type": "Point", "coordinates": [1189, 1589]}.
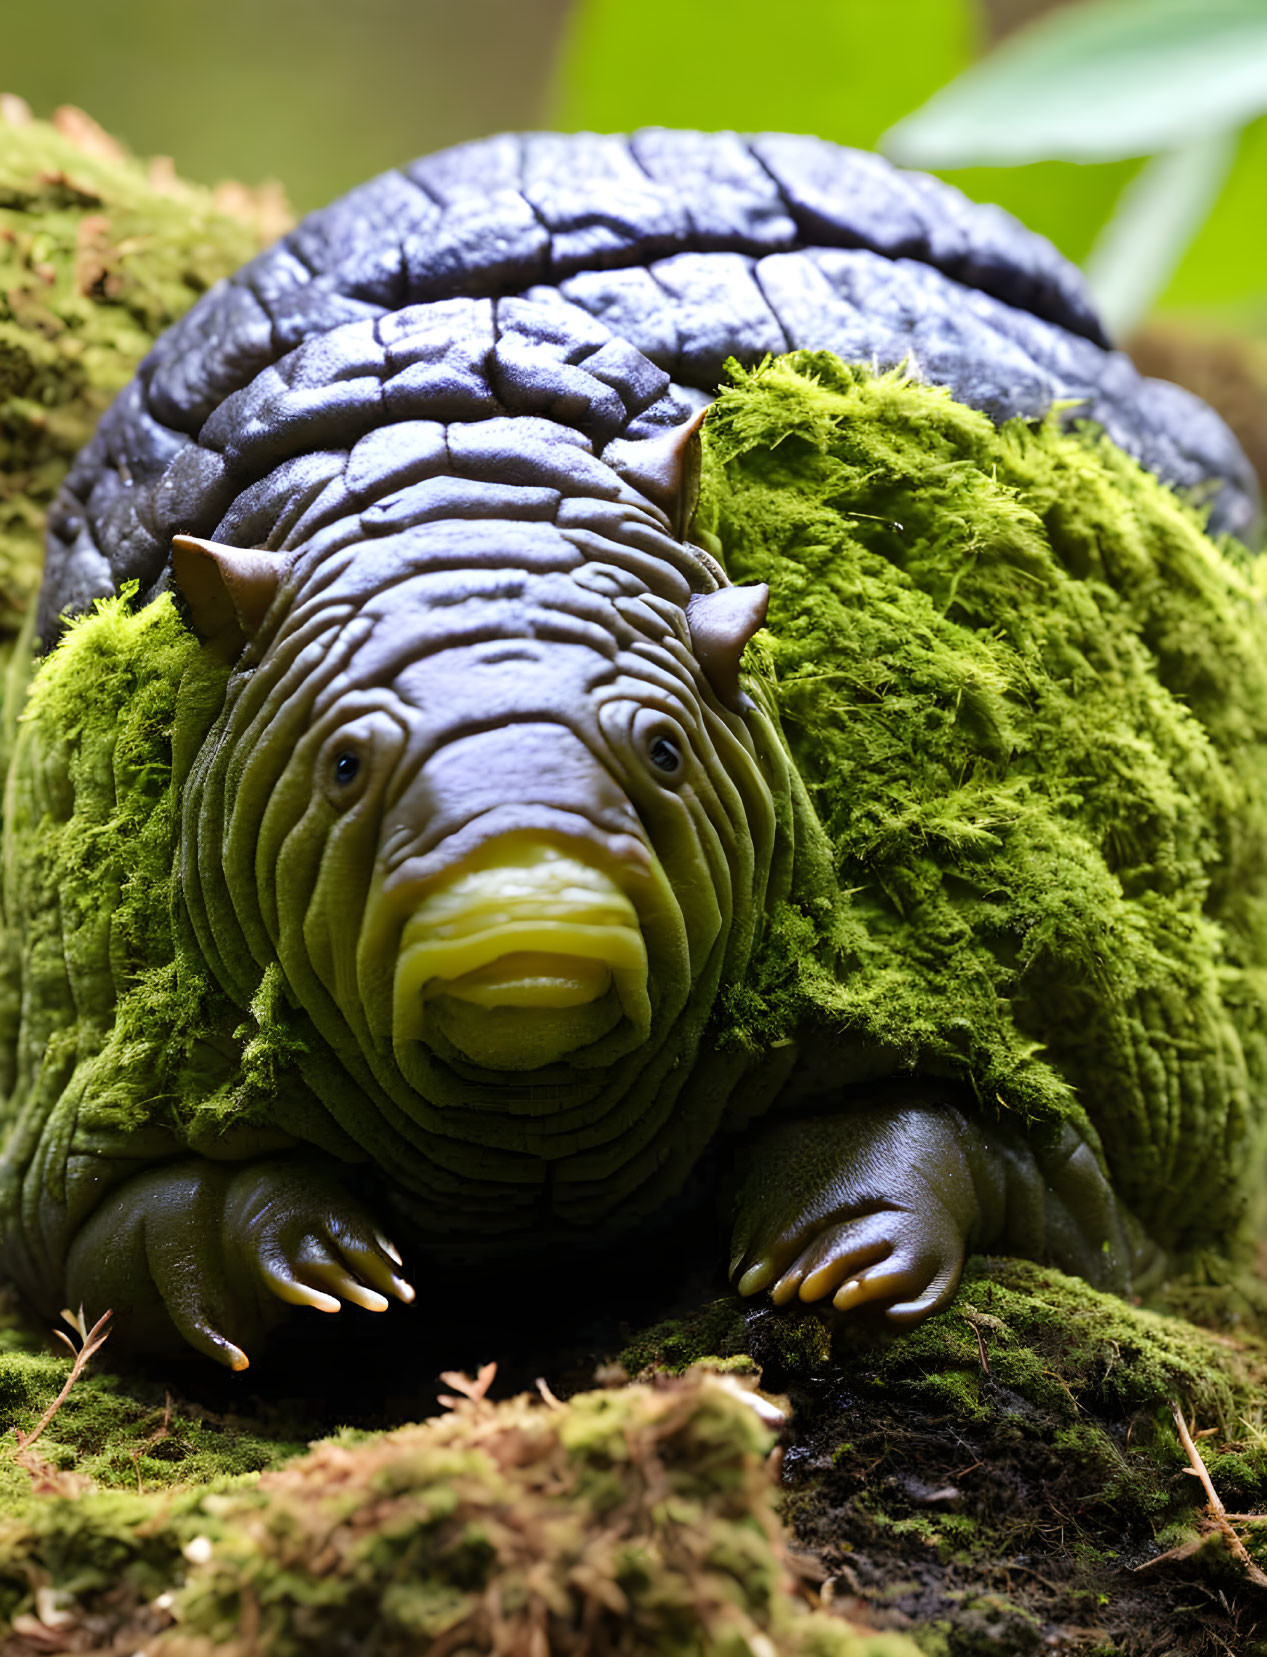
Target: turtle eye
{"type": "Point", "coordinates": [665, 755]}
{"type": "Point", "coordinates": [347, 767]}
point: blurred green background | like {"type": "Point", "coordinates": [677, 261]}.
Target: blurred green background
{"type": "Point", "coordinates": [316, 93]}
{"type": "Point", "coordinates": [321, 93]}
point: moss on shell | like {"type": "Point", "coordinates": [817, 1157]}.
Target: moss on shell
{"type": "Point", "coordinates": [123, 1030]}
{"type": "Point", "coordinates": [1029, 698]}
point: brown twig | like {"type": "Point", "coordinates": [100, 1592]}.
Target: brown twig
{"type": "Point", "coordinates": [1217, 1511]}
{"type": "Point", "coordinates": [985, 1362]}
{"type": "Point", "coordinates": [94, 1340]}
{"type": "Point", "coordinates": [474, 1390]}
{"type": "Point", "coordinates": [1198, 1466]}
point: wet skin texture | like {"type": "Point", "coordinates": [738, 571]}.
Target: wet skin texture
{"type": "Point", "coordinates": [485, 784]}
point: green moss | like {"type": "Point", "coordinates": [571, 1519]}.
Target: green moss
{"type": "Point", "coordinates": [98, 254]}
{"type": "Point", "coordinates": [715, 1335]}
{"type": "Point", "coordinates": [144, 1036]}
{"type": "Point", "coordinates": [1029, 699]}
{"type": "Point", "coordinates": [643, 1517]}
{"type": "Point", "coordinates": [121, 1436]}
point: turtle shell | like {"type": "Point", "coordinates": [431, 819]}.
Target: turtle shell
{"type": "Point", "coordinates": [651, 260]}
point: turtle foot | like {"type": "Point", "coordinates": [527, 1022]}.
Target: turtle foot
{"type": "Point", "coordinates": [878, 1205]}
{"type": "Point", "coordinates": [206, 1254]}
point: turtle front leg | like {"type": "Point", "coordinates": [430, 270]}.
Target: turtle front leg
{"type": "Point", "coordinates": [881, 1204]}
{"type": "Point", "coordinates": [210, 1252]}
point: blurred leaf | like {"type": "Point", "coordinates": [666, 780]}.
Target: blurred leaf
{"type": "Point", "coordinates": [845, 69]}
{"type": "Point", "coordinates": [1159, 213]}
{"type": "Point", "coordinates": [1224, 272]}
{"type": "Point", "coordinates": [1096, 81]}
{"type": "Point", "coordinates": [318, 93]}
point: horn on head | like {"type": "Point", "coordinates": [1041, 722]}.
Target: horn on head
{"type": "Point", "coordinates": [721, 624]}
{"type": "Point", "coordinates": [228, 589]}
{"type": "Point", "coordinates": [664, 469]}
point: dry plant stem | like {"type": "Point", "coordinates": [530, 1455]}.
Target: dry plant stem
{"type": "Point", "coordinates": [474, 1390]}
{"type": "Point", "coordinates": [94, 1340]}
{"type": "Point", "coordinates": [1219, 1512]}
{"type": "Point", "coordinates": [547, 1395]}
{"type": "Point", "coordinates": [985, 1362]}
{"type": "Point", "coordinates": [1198, 1466]}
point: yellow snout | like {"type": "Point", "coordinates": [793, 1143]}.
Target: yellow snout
{"type": "Point", "coordinates": [522, 958]}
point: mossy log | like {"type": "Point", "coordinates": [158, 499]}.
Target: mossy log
{"type": "Point", "coordinates": [1008, 1478]}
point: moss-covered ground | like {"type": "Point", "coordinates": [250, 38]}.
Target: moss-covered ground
{"type": "Point", "coordinates": [636, 1517]}
{"type": "Point", "coordinates": [1008, 1478]}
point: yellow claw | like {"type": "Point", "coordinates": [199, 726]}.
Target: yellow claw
{"type": "Point", "coordinates": [757, 1277]}
{"type": "Point", "coordinates": [299, 1294]}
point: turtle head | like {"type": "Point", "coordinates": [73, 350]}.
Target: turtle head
{"type": "Point", "coordinates": [494, 807]}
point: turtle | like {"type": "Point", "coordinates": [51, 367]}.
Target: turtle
{"type": "Point", "coordinates": [417, 848]}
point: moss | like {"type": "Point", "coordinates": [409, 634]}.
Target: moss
{"type": "Point", "coordinates": [123, 1436]}
{"type": "Point", "coordinates": [716, 1335]}
{"type": "Point", "coordinates": [90, 877]}
{"type": "Point", "coordinates": [1010, 1462]}
{"type": "Point", "coordinates": [98, 253]}
{"type": "Point", "coordinates": [638, 1520]}
{"type": "Point", "coordinates": [1029, 699]}
{"type": "Point", "coordinates": [949, 1505]}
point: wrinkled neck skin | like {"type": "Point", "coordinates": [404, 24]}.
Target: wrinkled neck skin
{"type": "Point", "coordinates": [443, 795]}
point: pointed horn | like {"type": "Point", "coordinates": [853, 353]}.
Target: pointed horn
{"type": "Point", "coordinates": [664, 469]}
{"type": "Point", "coordinates": [227, 589]}
{"type": "Point", "coordinates": [721, 624]}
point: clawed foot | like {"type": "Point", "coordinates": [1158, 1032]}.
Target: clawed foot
{"type": "Point", "coordinates": [879, 1206]}
{"type": "Point", "coordinates": [208, 1250]}
{"type": "Point", "coordinates": [304, 1240]}
{"type": "Point", "coordinates": [907, 1263]}
{"type": "Point", "coordinates": [875, 1207]}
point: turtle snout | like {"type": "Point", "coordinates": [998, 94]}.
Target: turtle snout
{"type": "Point", "coordinates": [520, 957]}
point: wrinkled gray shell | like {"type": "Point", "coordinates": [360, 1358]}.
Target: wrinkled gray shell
{"type": "Point", "coordinates": [645, 263]}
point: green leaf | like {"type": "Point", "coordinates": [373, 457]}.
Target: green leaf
{"type": "Point", "coordinates": [1159, 213]}
{"type": "Point", "coordinates": [845, 69]}
{"type": "Point", "coordinates": [1097, 81]}
{"type": "Point", "coordinates": [1224, 273]}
